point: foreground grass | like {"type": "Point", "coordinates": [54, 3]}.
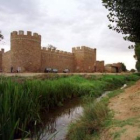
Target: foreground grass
{"type": "Point", "coordinates": [97, 116]}
{"type": "Point", "coordinates": [21, 102]}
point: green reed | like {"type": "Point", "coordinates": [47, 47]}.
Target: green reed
{"type": "Point", "coordinates": [22, 100]}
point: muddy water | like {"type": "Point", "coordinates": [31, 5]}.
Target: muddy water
{"type": "Point", "coordinates": [58, 120]}
{"type": "Point", "coordinates": [56, 123]}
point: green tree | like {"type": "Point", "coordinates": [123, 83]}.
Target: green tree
{"type": "Point", "coordinates": [125, 18]}
{"type": "Point", "coordinates": [124, 67]}
{"type": "Point", "coordinates": [1, 36]}
{"type": "Point", "coordinates": [137, 56]}
{"type": "Point", "coordinates": [132, 70]}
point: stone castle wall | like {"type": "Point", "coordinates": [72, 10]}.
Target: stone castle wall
{"type": "Point", "coordinates": [114, 68]}
{"type": "Point", "coordinates": [99, 66]}
{"type": "Point", "coordinates": [84, 59]}
{"type": "Point", "coordinates": [56, 59]}
{"type": "Point", "coordinates": [110, 69]}
{"type": "Point", "coordinates": [27, 54]}
{"type": "Point", "coordinates": [1, 55]}
{"type": "Point", "coordinates": [26, 51]}
{"type": "Point", "coordinates": [118, 66]}
{"type": "Point", "coordinates": [6, 62]}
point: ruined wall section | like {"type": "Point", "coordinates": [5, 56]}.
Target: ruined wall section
{"type": "Point", "coordinates": [6, 62]}
{"type": "Point", "coordinates": [26, 51]}
{"type": "Point", "coordinates": [56, 59]}
{"type": "Point", "coordinates": [84, 59]}
{"type": "Point", "coordinates": [99, 66]}
{"type": "Point", "coordinates": [118, 66]}
{"type": "Point", "coordinates": [110, 69]}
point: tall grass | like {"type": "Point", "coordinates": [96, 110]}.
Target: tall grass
{"type": "Point", "coordinates": [89, 123]}
{"type": "Point", "coordinates": [22, 101]}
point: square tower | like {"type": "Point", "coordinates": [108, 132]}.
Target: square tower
{"type": "Point", "coordinates": [84, 59]}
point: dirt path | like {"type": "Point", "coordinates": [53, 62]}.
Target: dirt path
{"type": "Point", "coordinates": [126, 122]}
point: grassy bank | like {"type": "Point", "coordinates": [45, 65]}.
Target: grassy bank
{"type": "Point", "coordinates": [22, 101]}
{"type": "Point", "coordinates": [96, 116]}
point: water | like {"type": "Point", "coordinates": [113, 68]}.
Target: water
{"type": "Point", "coordinates": [58, 120]}
{"type": "Point", "coordinates": [56, 123]}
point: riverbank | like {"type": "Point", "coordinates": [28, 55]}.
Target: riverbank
{"type": "Point", "coordinates": [99, 123]}
{"type": "Point", "coordinates": [125, 123]}
{"type": "Point", "coordinates": [23, 100]}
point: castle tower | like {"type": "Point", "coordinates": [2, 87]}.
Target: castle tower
{"type": "Point", "coordinates": [85, 59]}
{"type": "Point", "coordinates": [25, 51]}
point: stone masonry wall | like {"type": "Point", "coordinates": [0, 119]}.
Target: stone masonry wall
{"type": "Point", "coordinates": [26, 54]}
{"type": "Point", "coordinates": [26, 51]}
{"type": "Point", "coordinates": [56, 59]}
{"type": "Point", "coordinates": [6, 62]}
{"type": "Point", "coordinates": [99, 66]}
{"type": "Point", "coordinates": [118, 66]}
{"type": "Point", "coordinates": [84, 58]}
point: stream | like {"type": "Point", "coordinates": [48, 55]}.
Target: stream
{"type": "Point", "coordinates": [58, 120]}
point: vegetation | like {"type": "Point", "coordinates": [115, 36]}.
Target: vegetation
{"type": "Point", "coordinates": [90, 123]}
{"type": "Point", "coordinates": [137, 54]}
{"type": "Point", "coordinates": [95, 117]}
{"type": "Point", "coordinates": [1, 36]}
{"type": "Point", "coordinates": [133, 70]}
{"type": "Point", "coordinates": [22, 101]}
{"type": "Point", "coordinates": [124, 67]}
{"type": "Point", "coordinates": [125, 16]}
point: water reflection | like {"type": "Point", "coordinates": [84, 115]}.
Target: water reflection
{"type": "Point", "coordinates": [56, 123]}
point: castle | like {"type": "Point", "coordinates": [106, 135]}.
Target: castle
{"type": "Point", "coordinates": [27, 54]}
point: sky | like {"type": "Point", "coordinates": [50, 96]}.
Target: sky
{"type": "Point", "coordinates": [66, 24]}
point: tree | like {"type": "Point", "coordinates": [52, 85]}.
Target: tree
{"type": "Point", "coordinates": [51, 47]}
{"type": "Point", "coordinates": [1, 36]}
{"type": "Point", "coordinates": [137, 56]}
{"type": "Point", "coordinates": [125, 18]}
{"type": "Point", "coordinates": [132, 70]}
{"type": "Point", "coordinates": [123, 67]}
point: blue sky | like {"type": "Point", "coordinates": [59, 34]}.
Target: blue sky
{"type": "Point", "coordinates": [66, 24]}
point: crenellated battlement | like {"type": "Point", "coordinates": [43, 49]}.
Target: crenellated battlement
{"type": "Point", "coordinates": [26, 53]}
{"type": "Point", "coordinates": [100, 61]}
{"type": "Point", "coordinates": [48, 50]}
{"type": "Point", "coordinates": [83, 48]}
{"type": "Point", "coordinates": [1, 51]}
{"type": "Point", "coordinates": [21, 35]}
